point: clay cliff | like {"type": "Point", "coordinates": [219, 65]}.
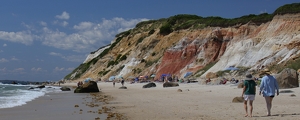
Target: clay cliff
{"type": "Point", "coordinates": [202, 50]}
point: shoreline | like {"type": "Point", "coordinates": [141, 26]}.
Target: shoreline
{"type": "Point", "coordinates": [58, 105]}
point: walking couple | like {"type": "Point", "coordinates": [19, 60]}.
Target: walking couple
{"type": "Point", "coordinates": [267, 88]}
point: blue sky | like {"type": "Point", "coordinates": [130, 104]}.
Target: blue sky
{"type": "Point", "coordinates": [43, 40]}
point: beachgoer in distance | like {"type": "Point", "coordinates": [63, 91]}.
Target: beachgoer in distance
{"type": "Point", "coordinates": [122, 82]}
{"type": "Point", "coordinates": [78, 84]}
{"type": "Point", "coordinates": [248, 93]}
{"type": "Point", "coordinates": [267, 88]}
{"type": "Point", "coordinates": [114, 83]}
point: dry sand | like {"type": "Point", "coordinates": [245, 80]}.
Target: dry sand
{"type": "Point", "coordinates": [195, 102]}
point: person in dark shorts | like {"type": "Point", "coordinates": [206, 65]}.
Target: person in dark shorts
{"type": "Point", "coordinates": [268, 86]}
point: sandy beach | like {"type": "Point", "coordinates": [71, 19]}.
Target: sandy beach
{"type": "Point", "coordinates": [195, 102]}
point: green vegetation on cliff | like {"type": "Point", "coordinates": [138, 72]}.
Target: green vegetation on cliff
{"type": "Point", "coordinates": [288, 9]}
{"type": "Point", "coordinates": [184, 21]}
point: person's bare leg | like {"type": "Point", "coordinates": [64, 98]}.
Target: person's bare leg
{"type": "Point", "coordinates": [268, 102]}
{"type": "Point", "coordinates": [251, 107]}
{"type": "Point", "coordinates": [245, 107]}
{"type": "Point", "coordinates": [271, 99]}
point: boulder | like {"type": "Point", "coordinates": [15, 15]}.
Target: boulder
{"type": "Point", "coordinates": [123, 87]}
{"type": "Point", "coordinates": [211, 75]}
{"type": "Point", "coordinates": [287, 78]}
{"type": "Point", "coordinates": [241, 85]}
{"type": "Point", "coordinates": [170, 84]}
{"type": "Point", "coordinates": [238, 99]}
{"type": "Point", "coordinates": [65, 88]}
{"type": "Point", "coordinates": [41, 86]}
{"type": "Point", "coordinates": [88, 87]}
{"type": "Point", "coordinates": [30, 88]}
{"type": "Point", "coordinates": [149, 85]}
{"type": "Point", "coordinates": [179, 90]}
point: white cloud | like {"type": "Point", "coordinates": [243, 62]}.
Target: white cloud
{"type": "Point", "coordinates": [64, 15]}
{"type": "Point", "coordinates": [3, 69]}
{"type": "Point", "coordinates": [83, 26]}
{"type": "Point", "coordinates": [19, 37]}
{"type": "Point", "coordinates": [74, 58]}
{"type": "Point", "coordinates": [71, 58]}
{"type": "Point", "coordinates": [55, 54]}
{"type": "Point", "coordinates": [2, 60]}
{"type": "Point", "coordinates": [18, 70]}
{"type": "Point", "coordinates": [14, 58]}
{"type": "Point", "coordinates": [36, 69]}
{"type": "Point", "coordinates": [4, 45]}
{"type": "Point", "coordinates": [70, 69]}
{"type": "Point", "coordinates": [89, 36]}
{"type": "Point", "coordinates": [65, 23]}
{"type": "Point", "coordinates": [39, 60]}
{"type": "Point", "coordinates": [43, 23]}
{"type": "Point", "coordinates": [57, 69]}
{"type": "Point", "coordinates": [27, 26]}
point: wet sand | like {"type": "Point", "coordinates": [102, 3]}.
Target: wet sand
{"type": "Point", "coordinates": [56, 106]}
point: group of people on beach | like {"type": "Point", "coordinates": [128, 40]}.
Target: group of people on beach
{"type": "Point", "coordinates": [267, 88]}
{"type": "Point", "coordinates": [80, 83]}
{"type": "Point", "coordinates": [122, 82]}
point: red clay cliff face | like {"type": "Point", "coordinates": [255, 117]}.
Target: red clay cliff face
{"type": "Point", "coordinates": [174, 61]}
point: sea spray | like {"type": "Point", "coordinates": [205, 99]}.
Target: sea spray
{"type": "Point", "coordinates": [12, 95]}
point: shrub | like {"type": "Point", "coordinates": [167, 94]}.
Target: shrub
{"type": "Point", "coordinates": [151, 32]}
{"type": "Point", "coordinates": [124, 34]}
{"type": "Point", "coordinates": [205, 68]}
{"type": "Point", "coordinates": [140, 40]}
{"type": "Point", "coordinates": [221, 73]}
{"type": "Point", "coordinates": [137, 71]}
{"type": "Point", "coordinates": [165, 29]}
{"type": "Point", "coordinates": [124, 57]}
{"type": "Point", "coordinates": [288, 8]}
{"type": "Point", "coordinates": [153, 54]}
{"type": "Point", "coordinates": [110, 63]}
{"type": "Point", "coordinates": [143, 60]}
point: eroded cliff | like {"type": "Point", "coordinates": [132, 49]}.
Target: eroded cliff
{"type": "Point", "coordinates": [143, 51]}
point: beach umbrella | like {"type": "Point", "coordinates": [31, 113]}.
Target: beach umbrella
{"type": "Point", "coordinates": [187, 74]}
{"type": "Point", "coordinates": [111, 78]}
{"type": "Point", "coordinates": [164, 75]}
{"type": "Point", "coordinates": [231, 68]}
{"type": "Point", "coordinates": [152, 75]}
{"type": "Point", "coordinates": [87, 80]}
{"type": "Point", "coordinates": [136, 79]}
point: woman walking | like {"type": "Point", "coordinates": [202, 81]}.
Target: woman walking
{"type": "Point", "coordinates": [248, 93]}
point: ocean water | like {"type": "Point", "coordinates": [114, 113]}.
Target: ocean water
{"type": "Point", "coordinates": [12, 95]}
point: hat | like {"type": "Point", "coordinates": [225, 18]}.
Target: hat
{"type": "Point", "coordinates": [266, 71]}
{"type": "Point", "coordinates": [248, 77]}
